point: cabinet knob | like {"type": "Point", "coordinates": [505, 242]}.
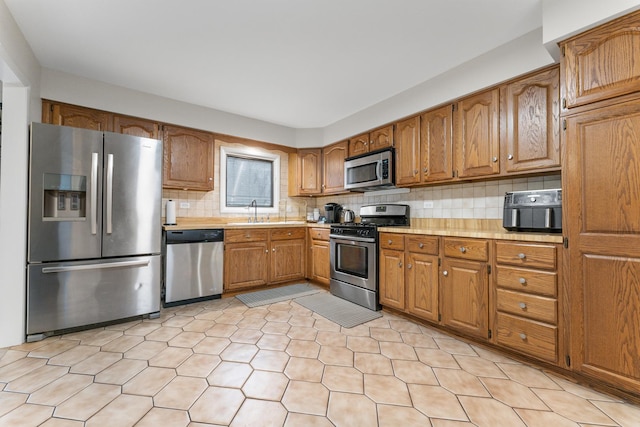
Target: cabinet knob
{"type": "Point", "coordinates": [400, 264]}
{"type": "Point", "coordinates": [421, 245]}
{"type": "Point", "coordinates": [522, 306]}
{"type": "Point", "coordinates": [365, 144]}
{"type": "Point", "coordinates": [510, 157]}
{"type": "Point", "coordinates": [523, 336]}
{"type": "Point", "coordinates": [273, 250]}
{"type": "Point", "coordinates": [522, 281]}
{"type": "Point", "coordinates": [415, 171]}
{"type": "Point", "coordinates": [522, 256]}
{"type": "Point", "coordinates": [266, 251]}
{"type": "Point", "coordinates": [289, 233]}
{"type": "Point", "coordinates": [389, 242]}
{"type": "Point", "coordinates": [494, 159]}
{"type": "Point", "coordinates": [409, 266]}
{"type": "Point", "coordinates": [210, 178]}
{"type": "Point", "coordinates": [425, 170]}
{"type": "Point", "coordinates": [445, 273]}
{"type": "Point", "coordinates": [463, 249]}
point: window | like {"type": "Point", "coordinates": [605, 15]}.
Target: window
{"type": "Point", "coordinates": [248, 174]}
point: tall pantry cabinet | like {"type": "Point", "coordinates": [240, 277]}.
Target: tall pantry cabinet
{"type": "Point", "coordinates": [600, 87]}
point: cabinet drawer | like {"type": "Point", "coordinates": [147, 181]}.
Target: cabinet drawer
{"type": "Point", "coordinates": [527, 305]}
{"type": "Point", "coordinates": [392, 241]}
{"type": "Point", "coordinates": [288, 233]}
{"type": "Point", "coordinates": [319, 233]}
{"type": "Point", "coordinates": [527, 336]}
{"type": "Point", "coordinates": [246, 235]}
{"type": "Point", "coordinates": [472, 249]}
{"type": "Point", "coordinates": [523, 280]}
{"type": "Point", "coordinates": [422, 244]}
{"type": "Point", "coordinates": [526, 255]}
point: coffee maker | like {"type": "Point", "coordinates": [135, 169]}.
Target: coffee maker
{"type": "Point", "coordinates": [332, 212]}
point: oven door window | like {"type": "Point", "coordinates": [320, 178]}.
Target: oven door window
{"type": "Point", "coordinates": [352, 259]}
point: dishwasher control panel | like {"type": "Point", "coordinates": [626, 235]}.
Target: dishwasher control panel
{"type": "Point", "coordinates": [192, 236]}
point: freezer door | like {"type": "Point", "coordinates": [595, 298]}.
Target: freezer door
{"type": "Point", "coordinates": [65, 193]}
{"type": "Point", "coordinates": [73, 294]}
{"type": "Point", "coordinates": [132, 195]}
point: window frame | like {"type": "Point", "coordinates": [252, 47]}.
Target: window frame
{"type": "Point", "coordinates": [248, 153]}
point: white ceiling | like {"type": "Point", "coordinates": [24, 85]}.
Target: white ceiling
{"type": "Point", "coordinates": [298, 63]}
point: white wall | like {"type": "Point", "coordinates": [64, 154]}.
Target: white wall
{"type": "Point", "coordinates": [72, 89]}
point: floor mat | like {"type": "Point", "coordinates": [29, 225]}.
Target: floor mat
{"type": "Point", "coordinates": [270, 296]}
{"type": "Point", "coordinates": [342, 312]}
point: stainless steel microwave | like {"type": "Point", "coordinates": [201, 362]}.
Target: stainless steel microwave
{"type": "Point", "coordinates": [371, 171]}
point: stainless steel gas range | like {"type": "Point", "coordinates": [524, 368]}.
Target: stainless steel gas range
{"type": "Point", "coordinates": [354, 253]}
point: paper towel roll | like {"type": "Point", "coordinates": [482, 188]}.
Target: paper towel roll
{"type": "Point", "coordinates": [170, 217]}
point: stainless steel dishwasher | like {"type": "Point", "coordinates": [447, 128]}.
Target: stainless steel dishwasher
{"type": "Point", "coordinates": [193, 265]}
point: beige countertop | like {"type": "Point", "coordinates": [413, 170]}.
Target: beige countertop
{"type": "Point", "coordinates": [473, 228]}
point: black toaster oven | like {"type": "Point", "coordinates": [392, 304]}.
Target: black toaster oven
{"type": "Point", "coordinates": [533, 210]}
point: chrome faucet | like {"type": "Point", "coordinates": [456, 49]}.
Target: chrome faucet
{"type": "Point", "coordinates": [254, 205]}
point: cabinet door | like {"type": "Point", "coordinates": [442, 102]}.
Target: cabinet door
{"type": "Point", "coordinates": [309, 171]}
{"type": "Point", "coordinates": [532, 117]}
{"type": "Point", "coordinates": [465, 296]}
{"type": "Point", "coordinates": [287, 260]}
{"type": "Point", "coordinates": [391, 277]}
{"type": "Point", "coordinates": [188, 159]}
{"type": "Point", "coordinates": [602, 63]}
{"type": "Point", "coordinates": [381, 138]}
{"type": "Point", "coordinates": [359, 145]}
{"type": "Point", "coordinates": [245, 265]}
{"type": "Point", "coordinates": [476, 134]}
{"type": "Point", "coordinates": [408, 151]}
{"type": "Point", "coordinates": [320, 258]}
{"type": "Point", "coordinates": [79, 117]}
{"type": "Point", "coordinates": [602, 201]}
{"type": "Point", "coordinates": [135, 126]}
{"type": "Point", "coordinates": [333, 167]}
{"type": "Point", "coordinates": [437, 145]}
{"type": "Point", "coordinates": [422, 285]}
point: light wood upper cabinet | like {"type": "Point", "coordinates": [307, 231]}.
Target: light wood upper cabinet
{"type": "Point", "coordinates": [333, 167]}
{"type": "Point", "coordinates": [136, 127]}
{"type": "Point", "coordinates": [371, 141]}
{"type": "Point", "coordinates": [531, 114]}
{"type": "Point", "coordinates": [75, 116]}
{"type": "Point", "coordinates": [188, 159]}
{"type": "Point", "coordinates": [477, 136]}
{"type": "Point", "coordinates": [407, 139]}
{"type": "Point", "coordinates": [305, 172]}
{"type": "Point", "coordinates": [602, 63]}
{"type": "Point", "coordinates": [436, 141]}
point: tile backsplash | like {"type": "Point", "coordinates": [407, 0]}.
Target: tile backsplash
{"type": "Point", "coordinates": [479, 200]}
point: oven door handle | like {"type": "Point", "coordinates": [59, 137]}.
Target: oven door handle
{"type": "Point", "coordinates": [351, 239]}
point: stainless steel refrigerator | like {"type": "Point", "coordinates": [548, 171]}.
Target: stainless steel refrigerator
{"type": "Point", "coordinates": [94, 234]}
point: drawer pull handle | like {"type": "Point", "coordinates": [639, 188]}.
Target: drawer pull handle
{"type": "Point", "coordinates": [523, 336]}
{"type": "Point", "coordinates": [463, 249]}
{"type": "Point", "coordinates": [445, 273]}
{"type": "Point", "coordinates": [523, 281]}
{"type": "Point", "coordinates": [522, 256]}
{"type": "Point", "coordinates": [420, 245]}
{"type": "Point", "coordinates": [522, 305]}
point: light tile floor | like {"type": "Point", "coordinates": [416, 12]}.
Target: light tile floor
{"type": "Point", "coordinates": [221, 363]}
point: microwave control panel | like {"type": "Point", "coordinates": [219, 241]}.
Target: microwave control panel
{"type": "Point", "coordinates": [385, 168]}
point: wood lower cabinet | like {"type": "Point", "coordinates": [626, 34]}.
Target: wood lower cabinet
{"type": "Point", "coordinates": [319, 256]}
{"type": "Point", "coordinates": [391, 282]}
{"type": "Point", "coordinates": [527, 299]}
{"type": "Point", "coordinates": [246, 259]}
{"type": "Point", "coordinates": [188, 159]}
{"type": "Point", "coordinates": [464, 286]}
{"type": "Point", "coordinates": [256, 256]}
{"type": "Point", "coordinates": [477, 136]}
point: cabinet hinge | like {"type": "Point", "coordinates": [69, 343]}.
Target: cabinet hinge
{"type": "Point", "coordinates": [489, 333]}
{"type": "Point", "coordinates": [439, 317]}
{"type": "Point", "coordinates": [439, 262]}
{"type": "Point", "coordinates": [488, 269]}
{"type": "Point", "coordinates": [564, 103]}
{"type": "Point", "coordinates": [453, 174]}
{"type": "Point", "coordinates": [563, 53]}
{"type": "Point", "coordinates": [565, 242]}
{"type": "Point", "coordinates": [564, 124]}
{"type": "Point", "coordinates": [567, 360]}
{"type": "Point", "coordinates": [453, 107]}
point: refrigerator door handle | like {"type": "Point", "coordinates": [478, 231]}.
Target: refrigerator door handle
{"type": "Point", "coordinates": [94, 193]}
{"type": "Point", "coordinates": [119, 264]}
{"type": "Point", "coordinates": [109, 212]}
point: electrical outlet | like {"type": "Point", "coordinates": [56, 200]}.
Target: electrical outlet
{"type": "Point", "coordinates": [185, 205]}
{"type": "Point", "coordinates": [427, 204]}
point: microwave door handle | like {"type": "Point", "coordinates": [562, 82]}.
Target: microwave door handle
{"type": "Point", "coordinates": [109, 212]}
{"type": "Point", "coordinates": [379, 171]}
{"type": "Point", "coordinates": [94, 193]}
